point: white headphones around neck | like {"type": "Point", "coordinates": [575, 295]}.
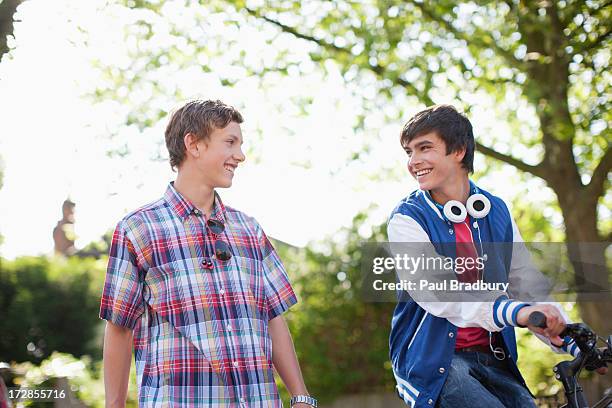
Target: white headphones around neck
{"type": "Point", "coordinates": [477, 205]}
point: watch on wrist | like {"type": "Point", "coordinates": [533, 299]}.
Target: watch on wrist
{"type": "Point", "coordinates": [306, 399]}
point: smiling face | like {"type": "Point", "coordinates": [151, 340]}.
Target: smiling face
{"type": "Point", "coordinates": [219, 156]}
{"type": "Point", "coordinates": [429, 163]}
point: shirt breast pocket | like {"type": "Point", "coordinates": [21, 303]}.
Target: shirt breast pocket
{"type": "Point", "coordinates": [244, 281]}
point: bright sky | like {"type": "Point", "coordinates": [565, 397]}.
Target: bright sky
{"type": "Point", "coordinates": [297, 180]}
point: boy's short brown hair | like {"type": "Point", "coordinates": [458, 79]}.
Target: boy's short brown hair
{"type": "Point", "coordinates": [199, 117]}
{"type": "Point", "coordinates": [451, 126]}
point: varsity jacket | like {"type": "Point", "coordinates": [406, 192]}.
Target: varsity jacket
{"type": "Point", "coordinates": [423, 333]}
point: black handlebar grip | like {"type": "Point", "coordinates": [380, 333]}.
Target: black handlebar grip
{"type": "Point", "coordinates": [537, 319]}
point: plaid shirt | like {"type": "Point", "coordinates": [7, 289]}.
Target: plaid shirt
{"type": "Point", "coordinates": [200, 336]}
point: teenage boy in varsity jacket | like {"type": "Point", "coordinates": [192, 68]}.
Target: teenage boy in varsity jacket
{"type": "Point", "coordinates": [454, 353]}
{"type": "Point", "coordinates": [196, 286]}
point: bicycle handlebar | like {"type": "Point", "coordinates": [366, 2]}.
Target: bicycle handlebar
{"type": "Point", "coordinates": [538, 319]}
{"type": "Point", "coordinates": [590, 357]}
{"type": "Point", "coordinates": [582, 334]}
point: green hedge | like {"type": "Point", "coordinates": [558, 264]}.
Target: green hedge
{"type": "Point", "coordinates": [49, 305]}
{"type": "Point", "coordinates": [341, 340]}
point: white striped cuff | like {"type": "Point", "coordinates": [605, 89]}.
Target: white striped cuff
{"type": "Point", "coordinates": [571, 347]}
{"type": "Point", "coordinates": [505, 311]}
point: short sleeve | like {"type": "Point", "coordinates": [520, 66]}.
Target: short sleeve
{"type": "Point", "coordinates": [279, 293]}
{"type": "Point", "coordinates": [122, 302]}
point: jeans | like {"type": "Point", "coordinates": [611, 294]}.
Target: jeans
{"type": "Point", "coordinates": [479, 380]}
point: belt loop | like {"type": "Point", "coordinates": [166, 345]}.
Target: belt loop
{"type": "Point", "coordinates": [478, 358]}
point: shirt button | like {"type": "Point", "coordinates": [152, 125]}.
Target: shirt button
{"type": "Point", "coordinates": [430, 401]}
{"type": "Point", "coordinates": [222, 292]}
{"type": "Point", "coordinates": [235, 364]}
{"type": "Point", "coordinates": [475, 224]}
{"type": "Point", "coordinates": [441, 370]}
{"type": "Point", "coordinates": [450, 231]}
{"type": "Point", "coordinates": [197, 212]}
{"type": "Point", "coordinates": [242, 400]}
{"type": "Point", "coordinates": [451, 335]}
{"type": "Point", "coordinates": [229, 328]}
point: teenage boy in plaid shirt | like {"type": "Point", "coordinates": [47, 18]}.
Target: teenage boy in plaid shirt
{"type": "Point", "coordinates": [197, 287]}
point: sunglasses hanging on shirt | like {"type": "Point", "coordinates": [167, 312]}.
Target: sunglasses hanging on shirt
{"type": "Point", "coordinates": [222, 248]}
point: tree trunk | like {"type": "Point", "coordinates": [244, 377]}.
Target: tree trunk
{"type": "Point", "coordinates": [588, 257]}
{"type": "Point", "coordinates": [548, 93]}
{"type": "Point", "coordinates": [7, 11]}
{"type": "Point", "coordinates": [586, 248]}
{"type": "Point", "coordinates": [591, 276]}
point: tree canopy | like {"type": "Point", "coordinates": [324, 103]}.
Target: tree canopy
{"type": "Point", "coordinates": [539, 70]}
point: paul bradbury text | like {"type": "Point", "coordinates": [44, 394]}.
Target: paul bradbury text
{"type": "Point", "coordinates": [452, 285]}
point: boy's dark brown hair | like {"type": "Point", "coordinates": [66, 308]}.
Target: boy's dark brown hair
{"type": "Point", "coordinates": [452, 126]}
{"type": "Point", "coordinates": [199, 117]}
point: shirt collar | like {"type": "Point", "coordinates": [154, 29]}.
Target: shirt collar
{"type": "Point", "coordinates": [183, 207]}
